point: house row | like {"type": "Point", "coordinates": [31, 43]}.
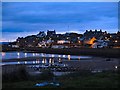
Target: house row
{"type": "Point", "coordinates": [90, 39]}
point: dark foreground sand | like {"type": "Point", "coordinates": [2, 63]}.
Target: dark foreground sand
{"type": "Point", "coordinates": [95, 63]}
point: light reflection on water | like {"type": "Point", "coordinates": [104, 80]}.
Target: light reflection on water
{"type": "Point", "coordinates": [37, 61]}
{"type": "Point", "coordinates": [68, 57]}
{"type": "Point", "coordinates": [11, 55]}
{"type": "Point", "coordinates": [3, 54]}
{"type": "Point", "coordinates": [44, 61]}
{"type": "Point", "coordinates": [22, 62]}
{"type": "Point", "coordinates": [25, 54]}
{"type": "Point", "coordinates": [33, 54]}
{"type": "Point", "coordinates": [18, 54]}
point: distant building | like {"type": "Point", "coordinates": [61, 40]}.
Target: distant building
{"type": "Point", "coordinates": [100, 44]}
{"type": "Point", "coordinates": [42, 44]}
{"type": "Point", "coordinates": [62, 41]}
{"type": "Point", "coordinates": [67, 34]}
{"type": "Point", "coordinates": [13, 45]}
{"type": "Point", "coordinates": [41, 34]}
{"type": "Point", "coordinates": [91, 38]}
{"type": "Point", "coordinates": [49, 41]}
{"type": "Point", "coordinates": [114, 39]}
{"type": "Point", "coordinates": [90, 41]}
{"type": "Point", "coordinates": [117, 40]}
{"type": "Point", "coordinates": [51, 33]}
{"type": "Point", "coordinates": [97, 34]}
{"type": "Point", "coordinates": [55, 45]}
{"type": "Point", "coordinates": [29, 41]}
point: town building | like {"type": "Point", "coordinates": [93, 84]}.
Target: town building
{"type": "Point", "coordinates": [51, 33]}
{"type": "Point", "coordinates": [96, 33]}
{"type": "Point", "coordinates": [90, 39]}
{"type": "Point", "coordinates": [41, 34]}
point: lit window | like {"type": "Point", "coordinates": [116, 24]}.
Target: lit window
{"type": "Point", "coordinates": [68, 57]}
{"type": "Point", "coordinates": [116, 67]}
{"type": "Point", "coordinates": [116, 41]}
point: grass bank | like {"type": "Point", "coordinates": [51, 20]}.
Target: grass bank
{"type": "Point", "coordinates": [80, 79]}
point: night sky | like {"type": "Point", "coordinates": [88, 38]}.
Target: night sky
{"type": "Point", "coordinates": [20, 19]}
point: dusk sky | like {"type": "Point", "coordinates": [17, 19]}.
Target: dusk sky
{"type": "Point", "coordinates": [20, 19]}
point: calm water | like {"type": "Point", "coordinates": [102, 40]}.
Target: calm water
{"type": "Point", "coordinates": [13, 55]}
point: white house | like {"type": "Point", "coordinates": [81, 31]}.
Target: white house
{"type": "Point", "coordinates": [49, 41]}
{"type": "Point", "coordinates": [100, 44]}
{"type": "Point", "coordinates": [63, 41]}
{"type": "Point", "coordinates": [42, 44]}
{"type": "Point", "coordinates": [59, 46]}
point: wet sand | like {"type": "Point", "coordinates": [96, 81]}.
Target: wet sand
{"type": "Point", "coordinates": [95, 63]}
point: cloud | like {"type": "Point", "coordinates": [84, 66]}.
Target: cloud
{"type": "Point", "coordinates": [57, 12]}
{"type": "Point", "coordinates": [12, 36]}
{"type": "Point", "coordinates": [103, 23]}
{"type": "Point", "coordinates": [19, 17]}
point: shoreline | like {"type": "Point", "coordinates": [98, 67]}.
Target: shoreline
{"type": "Point", "coordinates": [97, 52]}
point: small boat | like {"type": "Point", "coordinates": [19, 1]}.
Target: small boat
{"type": "Point", "coordinates": [42, 84]}
{"type": "Point", "coordinates": [47, 84]}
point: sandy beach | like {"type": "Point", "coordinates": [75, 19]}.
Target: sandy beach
{"type": "Point", "coordinates": [95, 63]}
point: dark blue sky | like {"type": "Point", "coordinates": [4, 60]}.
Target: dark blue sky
{"type": "Point", "coordinates": [20, 19]}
